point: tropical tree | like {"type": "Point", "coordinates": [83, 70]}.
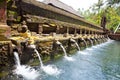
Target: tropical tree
{"type": "Point", "coordinates": [97, 6]}
{"type": "Point", "coordinates": [113, 19]}
{"type": "Point", "coordinates": [113, 2]}
{"type": "Point", "coordinates": [111, 13]}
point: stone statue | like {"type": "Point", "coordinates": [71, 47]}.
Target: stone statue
{"type": "Point", "coordinates": [24, 27]}
{"type": "Point", "coordinates": [25, 33]}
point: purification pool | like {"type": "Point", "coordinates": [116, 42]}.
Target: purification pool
{"type": "Point", "coordinates": [99, 62]}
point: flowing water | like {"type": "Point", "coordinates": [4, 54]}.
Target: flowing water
{"type": "Point", "coordinates": [41, 63]}
{"type": "Point", "coordinates": [25, 71]}
{"type": "Point", "coordinates": [91, 42]}
{"type": "Point", "coordinates": [34, 47]}
{"type": "Point", "coordinates": [17, 60]}
{"type": "Point", "coordinates": [85, 42]}
{"type": "Point", "coordinates": [65, 54]}
{"type": "Point", "coordinates": [76, 44]}
{"type": "Point", "coordinates": [100, 62]}
{"type": "Point", "coordinates": [30, 73]}
{"type": "Point", "coordinates": [48, 69]}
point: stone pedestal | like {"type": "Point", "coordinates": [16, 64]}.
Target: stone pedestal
{"type": "Point", "coordinates": [4, 31]}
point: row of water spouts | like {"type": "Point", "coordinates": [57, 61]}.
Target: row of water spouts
{"type": "Point", "coordinates": [49, 69]}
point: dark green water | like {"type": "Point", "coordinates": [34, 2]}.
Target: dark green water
{"type": "Point", "coordinates": [101, 62]}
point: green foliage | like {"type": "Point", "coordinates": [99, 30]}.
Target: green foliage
{"type": "Point", "coordinates": [97, 6]}
{"type": "Point", "coordinates": [113, 2]}
{"type": "Point", "coordinates": [113, 19]}
{"type": "Point", "coordinates": [112, 14]}
{"type": "Point", "coordinates": [118, 10]}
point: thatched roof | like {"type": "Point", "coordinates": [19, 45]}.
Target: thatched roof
{"type": "Point", "coordinates": [61, 5]}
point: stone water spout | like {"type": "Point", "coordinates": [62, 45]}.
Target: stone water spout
{"type": "Point", "coordinates": [58, 43]}
{"type": "Point", "coordinates": [84, 41]}
{"type": "Point", "coordinates": [93, 40]}
{"type": "Point", "coordinates": [90, 41]}
{"type": "Point", "coordinates": [96, 39]}
{"type": "Point", "coordinates": [65, 53]}
{"type": "Point", "coordinates": [24, 70]}
{"type": "Point", "coordinates": [34, 47]}
{"type": "Point", "coordinates": [72, 40]}
{"type": "Point", "coordinates": [103, 39]}
{"type": "Point", "coordinates": [49, 69]}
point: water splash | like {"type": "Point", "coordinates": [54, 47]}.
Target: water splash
{"type": "Point", "coordinates": [34, 47]}
{"type": "Point", "coordinates": [23, 70]}
{"type": "Point", "coordinates": [103, 44]}
{"type": "Point", "coordinates": [99, 46]}
{"type": "Point", "coordinates": [27, 72]}
{"type": "Point", "coordinates": [69, 58]}
{"type": "Point", "coordinates": [49, 69]}
{"type": "Point", "coordinates": [65, 54]}
{"type": "Point", "coordinates": [90, 49]}
{"type": "Point", "coordinates": [118, 75]}
{"type": "Point", "coordinates": [84, 53]}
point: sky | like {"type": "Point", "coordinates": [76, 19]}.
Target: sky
{"type": "Point", "coordinates": [75, 4]}
{"type": "Point", "coordinates": [82, 4]}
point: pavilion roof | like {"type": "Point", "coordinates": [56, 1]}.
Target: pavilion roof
{"type": "Point", "coordinates": [61, 5]}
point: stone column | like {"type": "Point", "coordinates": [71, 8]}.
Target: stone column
{"type": "Point", "coordinates": [67, 33]}
{"type": "Point", "coordinates": [92, 32]}
{"type": "Point", "coordinates": [4, 28]}
{"type": "Point", "coordinates": [40, 29]}
{"type": "Point", "coordinates": [85, 32]}
{"type": "Point", "coordinates": [68, 30]}
{"type": "Point", "coordinates": [75, 31]}
{"type": "Point", "coordinates": [80, 31]}
{"type": "Point", "coordinates": [89, 32]}
{"type": "Point", "coordinates": [57, 30]}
